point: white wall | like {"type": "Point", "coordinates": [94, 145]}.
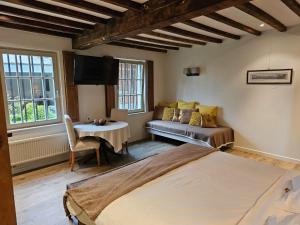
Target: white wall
{"type": "Point", "coordinates": [91, 97]}
{"type": "Point", "coordinates": [93, 105]}
{"type": "Point", "coordinates": [264, 117]}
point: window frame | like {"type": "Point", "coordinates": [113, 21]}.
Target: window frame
{"type": "Point", "coordinates": [57, 86]}
{"type": "Point", "coordinates": [145, 88]}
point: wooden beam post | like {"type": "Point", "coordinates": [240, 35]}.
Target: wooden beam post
{"type": "Point", "coordinates": [211, 29]}
{"type": "Point", "coordinates": [258, 13]}
{"type": "Point", "coordinates": [232, 23]}
{"type": "Point", "coordinates": [132, 24]}
{"type": "Point", "coordinates": [43, 17]}
{"type": "Point", "coordinates": [293, 5]}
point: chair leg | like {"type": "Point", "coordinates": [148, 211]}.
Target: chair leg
{"type": "Point", "coordinates": [126, 146]}
{"type": "Point", "coordinates": [72, 160]}
{"type": "Point", "coordinates": [98, 156]}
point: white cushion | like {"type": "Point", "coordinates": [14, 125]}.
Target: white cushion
{"type": "Point", "coordinates": [70, 131]}
{"type": "Point", "coordinates": [82, 145]}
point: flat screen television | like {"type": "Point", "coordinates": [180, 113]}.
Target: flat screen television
{"type": "Point", "coordinates": [96, 70]}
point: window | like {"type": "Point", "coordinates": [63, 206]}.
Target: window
{"type": "Point", "coordinates": [131, 88]}
{"type": "Point", "coordinates": [30, 83]}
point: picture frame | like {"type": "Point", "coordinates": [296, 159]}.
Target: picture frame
{"type": "Point", "coordinates": [274, 76]}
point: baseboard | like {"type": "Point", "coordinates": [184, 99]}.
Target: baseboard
{"type": "Point", "coordinates": [29, 166]}
{"type": "Point", "coordinates": [270, 155]}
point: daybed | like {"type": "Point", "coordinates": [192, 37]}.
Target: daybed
{"type": "Point", "coordinates": [211, 137]}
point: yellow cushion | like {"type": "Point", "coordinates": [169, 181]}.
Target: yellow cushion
{"type": "Point", "coordinates": [186, 105]}
{"type": "Point", "coordinates": [166, 104]}
{"type": "Point", "coordinates": [195, 119]}
{"type": "Point", "coordinates": [173, 105]}
{"type": "Point", "coordinates": [168, 114]}
{"type": "Point", "coordinates": [210, 110]}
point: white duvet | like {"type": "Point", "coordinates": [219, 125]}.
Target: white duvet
{"type": "Point", "coordinates": [218, 189]}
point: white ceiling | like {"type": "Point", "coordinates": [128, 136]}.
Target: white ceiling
{"type": "Point", "coordinates": [274, 7]}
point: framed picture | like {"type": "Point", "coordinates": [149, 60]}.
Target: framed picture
{"type": "Point", "coordinates": [280, 76]}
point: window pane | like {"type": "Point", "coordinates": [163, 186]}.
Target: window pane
{"type": "Point", "coordinates": [48, 67]}
{"type": "Point", "coordinates": [40, 113]}
{"type": "Point", "coordinates": [25, 88]}
{"type": "Point", "coordinates": [49, 88]}
{"type": "Point", "coordinates": [37, 88]}
{"type": "Point", "coordinates": [27, 111]}
{"type": "Point", "coordinates": [14, 110]}
{"type": "Point", "coordinates": [23, 65]}
{"type": "Point", "coordinates": [12, 90]}
{"type": "Point", "coordinates": [36, 67]}
{"type": "Point", "coordinates": [51, 109]}
{"type": "Point", "coordinates": [11, 66]}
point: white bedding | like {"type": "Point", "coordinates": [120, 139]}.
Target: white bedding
{"type": "Point", "coordinates": [218, 189]}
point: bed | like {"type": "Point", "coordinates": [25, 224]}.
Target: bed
{"type": "Point", "coordinates": [205, 188]}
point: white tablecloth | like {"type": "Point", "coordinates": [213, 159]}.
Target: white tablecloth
{"type": "Point", "coordinates": [115, 133]}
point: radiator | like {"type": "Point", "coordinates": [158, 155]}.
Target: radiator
{"type": "Point", "coordinates": [32, 149]}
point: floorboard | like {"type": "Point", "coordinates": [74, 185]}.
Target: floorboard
{"type": "Point", "coordinates": [38, 194]}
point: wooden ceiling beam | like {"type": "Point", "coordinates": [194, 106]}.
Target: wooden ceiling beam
{"type": "Point", "coordinates": [127, 4]}
{"type": "Point", "coordinates": [91, 7]}
{"type": "Point", "coordinates": [58, 10]}
{"type": "Point", "coordinates": [170, 37]}
{"type": "Point", "coordinates": [35, 29]}
{"type": "Point", "coordinates": [232, 23]}
{"type": "Point", "coordinates": [48, 26]}
{"type": "Point", "coordinates": [293, 5]}
{"type": "Point", "coordinates": [43, 17]}
{"type": "Point", "coordinates": [258, 13]}
{"type": "Point", "coordinates": [157, 41]}
{"type": "Point", "coordinates": [190, 34]}
{"type": "Point", "coordinates": [135, 23]}
{"type": "Point", "coordinates": [146, 44]}
{"type": "Point", "coordinates": [211, 29]}
{"type": "Point", "coordinates": [116, 43]}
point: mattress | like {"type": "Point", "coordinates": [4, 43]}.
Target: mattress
{"type": "Point", "coordinates": [217, 189]}
{"type": "Point", "coordinates": [214, 137]}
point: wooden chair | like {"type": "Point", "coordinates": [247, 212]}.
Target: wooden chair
{"type": "Point", "coordinates": [120, 115]}
{"type": "Point", "coordinates": [77, 145]}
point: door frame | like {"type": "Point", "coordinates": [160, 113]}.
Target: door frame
{"type": "Point", "coordinates": [7, 206]}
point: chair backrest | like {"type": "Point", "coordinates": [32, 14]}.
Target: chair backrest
{"type": "Point", "coordinates": [70, 131]}
{"type": "Point", "coordinates": [119, 115]}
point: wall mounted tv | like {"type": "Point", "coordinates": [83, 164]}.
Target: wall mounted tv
{"type": "Point", "coordinates": [96, 70]}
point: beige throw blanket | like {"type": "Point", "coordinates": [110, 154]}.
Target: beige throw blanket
{"type": "Point", "coordinates": [94, 194]}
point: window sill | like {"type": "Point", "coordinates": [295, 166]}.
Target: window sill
{"type": "Point", "coordinates": [28, 129]}
{"type": "Point", "coordinates": [30, 132]}
{"type": "Point", "coordinates": [137, 113]}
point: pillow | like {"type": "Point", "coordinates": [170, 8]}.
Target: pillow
{"type": "Point", "coordinates": [208, 121]}
{"type": "Point", "coordinates": [205, 109]}
{"type": "Point", "coordinates": [168, 114]}
{"type": "Point", "coordinates": [166, 104]}
{"type": "Point", "coordinates": [210, 112]}
{"type": "Point", "coordinates": [176, 115]}
{"type": "Point", "coordinates": [195, 119]}
{"type": "Point", "coordinates": [186, 105]}
{"type": "Point", "coordinates": [185, 115]}
{"type": "Point", "coordinates": [173, 105]}
{"type": "Point", "coordinates": [158, 112]}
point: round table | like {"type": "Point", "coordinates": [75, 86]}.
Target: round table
{"type": "Point", "coordinates": [116, 133]}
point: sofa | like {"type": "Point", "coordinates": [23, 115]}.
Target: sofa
{"type": "Point", "coordinates": [216, 137]}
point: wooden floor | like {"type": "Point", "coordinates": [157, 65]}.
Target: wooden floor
{"type": "Point", "coordinates": [39, 194]}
